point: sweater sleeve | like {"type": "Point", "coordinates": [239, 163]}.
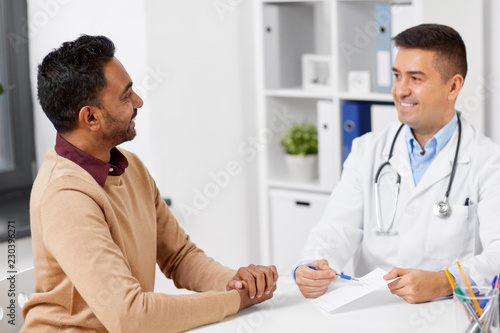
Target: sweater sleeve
{"type": "Point", "coordinates": [98, 270]}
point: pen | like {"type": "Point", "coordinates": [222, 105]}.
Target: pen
{"type": "Point", "coordinates": [458, 292]}
{"type": "Point", "coordinates": [342, 276]}
{"type": "Point", "coordinates": [486, 317]}
{"type": "Point", "coordinates": [450, 278]}
{"type": "Point", "coordinates": [468, 306]}
{"type": "Point", "coordinates": [466, 280]}
{"type": "Point", "coordinates": [477, 326]}
{"type": "Point", "coordinates": [493, 284]}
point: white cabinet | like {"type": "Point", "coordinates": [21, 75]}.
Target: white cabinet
{"type": "Point", "coordinates": [345, 32]}
{"type": "Point", "coordinates": [293, 215]}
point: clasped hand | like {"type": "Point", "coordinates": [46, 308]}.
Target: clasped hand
{"type": "Point", "coordinates": [254, 283]}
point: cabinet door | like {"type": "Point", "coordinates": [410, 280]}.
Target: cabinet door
{"type": "Point", "coordinates": [293, 215]}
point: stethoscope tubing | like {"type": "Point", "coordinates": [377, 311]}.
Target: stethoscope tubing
{"type": "Point", "coordinates": [443, 207]}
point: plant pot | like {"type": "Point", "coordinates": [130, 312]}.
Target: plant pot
{"type": "Point", "coordinates": [302, 167]}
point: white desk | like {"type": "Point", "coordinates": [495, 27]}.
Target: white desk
{"type": "Point", "coordinates": [288, 311]}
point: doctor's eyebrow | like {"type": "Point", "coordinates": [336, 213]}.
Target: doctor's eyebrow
{"type": "Point", "coordinates": [394, 69]}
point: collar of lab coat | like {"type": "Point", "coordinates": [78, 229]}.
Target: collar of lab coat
{"type": "Point", "coordinates": [442, 164]}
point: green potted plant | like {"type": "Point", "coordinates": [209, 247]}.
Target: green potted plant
{"type": "Point", "coordinates": [300, 143]}
{"type": "Point", "coordinates": [1, 89]}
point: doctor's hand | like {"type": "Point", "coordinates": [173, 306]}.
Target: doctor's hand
{"type": "Point", "coordinates": [418, 286]}
{"type": "Point", "coordinates": [314, 283]}
{"type": "Point", "coordinates": [257, 282]}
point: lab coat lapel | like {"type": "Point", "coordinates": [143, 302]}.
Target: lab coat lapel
{"type": "Point", "coordinates": [400, 160]}
{"type": "Point", "coordinates": [443, 163]}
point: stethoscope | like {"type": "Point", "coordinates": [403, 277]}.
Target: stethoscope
{"type": "Point", "coordinates": [442, 209]}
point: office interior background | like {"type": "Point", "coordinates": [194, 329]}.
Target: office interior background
{"type": "Point", "coordinates": [193, 64]}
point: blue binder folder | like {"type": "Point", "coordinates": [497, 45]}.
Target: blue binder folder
{"type": "Point", "coordinates": [356, 121]}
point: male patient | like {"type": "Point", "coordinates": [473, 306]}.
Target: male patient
{"type": "Point", "coordinates": [99, 224]}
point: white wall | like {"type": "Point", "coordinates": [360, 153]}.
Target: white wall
{"type": "Point", "coordinates": [492, 69]}
{"type": "Point", "coordinates": [53, 22]}
{"type": "Point", "coordinates": [202, 112]}
{"type": "Point", "coordinates": [192, 65]}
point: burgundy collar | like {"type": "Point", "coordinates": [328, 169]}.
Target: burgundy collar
{"type": "Point", "coordinates": [98, 169]}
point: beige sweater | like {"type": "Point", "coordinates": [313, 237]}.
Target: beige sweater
{"type": "Point", "coordinates": [95, 250]}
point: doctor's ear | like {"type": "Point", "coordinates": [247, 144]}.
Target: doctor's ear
{"type": "Point", "coordinates": [90, 117]}
{"type": "Point", "coordinates": [456, 83]}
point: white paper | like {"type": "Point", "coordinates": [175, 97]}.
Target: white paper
{"type": "Point", "coordinates": [349, 291]}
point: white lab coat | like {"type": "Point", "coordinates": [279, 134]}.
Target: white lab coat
{"type": "Point", "coordinates": [424, 241]}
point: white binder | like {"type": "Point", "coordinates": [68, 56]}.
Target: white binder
{"type": "Point", "coordinates": [329, 144]}
{"type": "Point", "coordinates": [288, 34]}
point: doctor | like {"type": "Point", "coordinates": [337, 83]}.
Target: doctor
{"type": "Point", "coordinates": [430, 200]}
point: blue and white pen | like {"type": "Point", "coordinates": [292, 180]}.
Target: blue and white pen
{"type": "Point", "coordinates": [342, 276]}
{"type": "Point", "coordinates": [483, 303]}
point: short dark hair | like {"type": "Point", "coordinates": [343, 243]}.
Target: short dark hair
{"type": "Point", "coordinates": [72, 77]}
{"type": "Point", "coordinates": [451, 56]}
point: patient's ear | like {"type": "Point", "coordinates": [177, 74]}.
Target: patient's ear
{"type": "Point", "coordinates": [90, 117]}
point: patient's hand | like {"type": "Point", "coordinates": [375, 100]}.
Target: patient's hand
{"type": "Point", "coordinates": [254, 283]}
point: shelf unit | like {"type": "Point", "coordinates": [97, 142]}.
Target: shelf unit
{"type": "Point", "coordinates": [286, 29]}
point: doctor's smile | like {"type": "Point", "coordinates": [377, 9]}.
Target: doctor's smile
{"type": "Point", "coordinates": [399, 204]}
{"type": "Point", "coordinates": [407, 104]}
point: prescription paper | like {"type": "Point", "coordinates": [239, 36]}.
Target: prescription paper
{"type": "Point", "coordinates": [349, 291]}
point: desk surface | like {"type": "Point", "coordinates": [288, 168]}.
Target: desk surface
{"type": "Point", "coordinates": [380, 311]}
{"type": "Point", "coordinates": [288, 311]}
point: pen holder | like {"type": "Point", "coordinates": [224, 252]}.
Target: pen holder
{"type": "Point", "coordinates": [469, 319]}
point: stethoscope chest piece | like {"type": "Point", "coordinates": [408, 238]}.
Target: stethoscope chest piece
{"type": "Point", "coordinates": [442, 208]}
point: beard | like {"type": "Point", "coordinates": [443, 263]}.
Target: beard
{"type": "Point", "coordinates": [117, 131]}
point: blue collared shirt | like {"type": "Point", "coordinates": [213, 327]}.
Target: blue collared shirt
{"type": "Point", "coordinates": [420, 163]}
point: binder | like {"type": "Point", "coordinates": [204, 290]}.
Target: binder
{"type": "Point", "coordinates": [329, 143]}
{"type": "Point", "coordinates": [288, 33]}
{"type": "Point", "coordinates": [356, 121]}
{"type": "Point", "coordinates": [402, 18]}
{"type": "Point", "coordinates": [384, 48]}
{"type": "Point", "coordinates": [271, 46]}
